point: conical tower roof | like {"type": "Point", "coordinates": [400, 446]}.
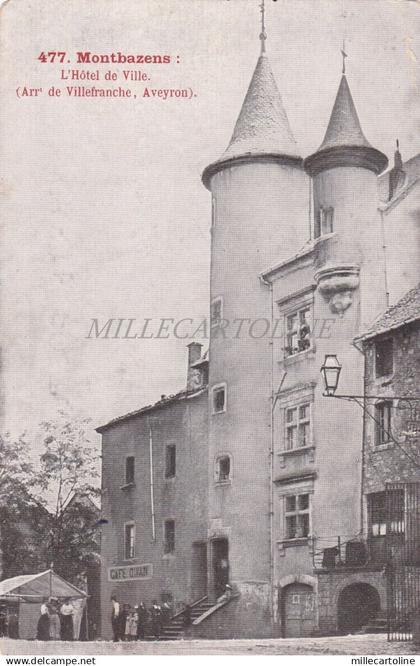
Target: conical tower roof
{"type": "Point", "coordinates": [262, 128]}
{"type": "Point", "coordinates": [344, 143]}
{"type": "Point", "coordinates": [344, 127]}
{"type": "Point", "coordinates": [262, 125]}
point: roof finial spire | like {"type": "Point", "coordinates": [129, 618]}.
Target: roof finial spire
{"type": "Point", "coordinates": [263, 34]}
{"type": "Point", "coordinates": [344, 54]}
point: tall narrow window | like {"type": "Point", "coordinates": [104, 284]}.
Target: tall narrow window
{"type": "Point", "coordinates": [129, 469]}
{"type": "Point", "coordinates": [383, 417]}
{"type": "Point", "coordinates": [298, 331]}
{"type": "Point", "coordinates": [384, 357]}
{"type": "Point", "coordinates": [324, 222]}
{"type": "Point", "coordinates": [219, 398]}
{"type": "Point", "coordinates": [297, 516]}
{"type": "Point", "coordinates": [216, 311]}
{"type": "Point", "coordinates": [129, 541]}
{"type": "Point", "coordinates": [298, 427]}
{"type": "Point", "coordinates": [169, 537]}
{"type": "Point", "coordinates": [170, 462]}
{"type": "Point", "coordinates": [223, 468]}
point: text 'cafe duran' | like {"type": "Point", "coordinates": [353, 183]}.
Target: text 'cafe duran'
{"type": "Point", "coordinates": [140, 572]}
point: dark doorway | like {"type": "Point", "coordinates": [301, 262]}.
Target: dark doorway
{"type": "Point", "coordinates": [220, 550]}
{"type": "Point", "coordinates": [298, 610]}
{"type": "Point", "coordinates": [358, 604]}
{"type": "Point", "coordinates": [199, 571]}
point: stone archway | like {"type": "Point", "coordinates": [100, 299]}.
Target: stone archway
{"type": "Point", "coordinates": [358, 604]}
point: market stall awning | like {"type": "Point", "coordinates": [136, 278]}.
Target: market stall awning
{"type": "Point", "coordinates": [36, 586]}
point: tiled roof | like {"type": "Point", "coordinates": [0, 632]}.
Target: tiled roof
{"type": "Point", "coordinates": [262, 125]}
{"type": "Point", "coordinates": [344, 127]}
{"type": "Point", "coordinates": [406, 310]}
{"type": "Point", "coordinates": [163, 402]}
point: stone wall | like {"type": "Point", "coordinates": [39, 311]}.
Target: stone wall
{"type": "Point", "coordinates": [331, 584]}
{"type": "Point", "coordinates": [396, 460]}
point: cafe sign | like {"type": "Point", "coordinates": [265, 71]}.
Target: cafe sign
{"type": "Point", "coordinates": [133, 572]}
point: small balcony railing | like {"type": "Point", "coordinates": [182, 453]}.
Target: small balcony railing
{"type": "Point", "coordinates": [330, 553]}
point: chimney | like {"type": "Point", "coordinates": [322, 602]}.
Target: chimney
{"type": "Point", "coordinates": [397, 173]}
{"type": "Point", "coordinates": [194, 378]}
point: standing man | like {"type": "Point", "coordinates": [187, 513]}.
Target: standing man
{"type": "Point", "coordinates": [115, 619]}
{"type": "Point", "coordinates": [66, 617]}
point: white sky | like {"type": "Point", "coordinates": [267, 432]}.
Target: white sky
{"type": "Point", "coordinates": [104, 214]}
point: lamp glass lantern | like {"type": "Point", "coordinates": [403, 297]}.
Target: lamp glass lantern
{"type": "Point", "coordinates": [331, 373]}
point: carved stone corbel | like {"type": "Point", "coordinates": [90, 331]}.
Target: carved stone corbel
{"type": "Point", "coordinates": [337, 284]}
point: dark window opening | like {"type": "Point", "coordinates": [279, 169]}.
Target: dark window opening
{"type": "Point", "coordinates": [219, 398]}
{"type": "Point", "coordinates": [223, 468]}
{"type": "Point", "coordinates": [170, 466]}
{"type": "Point", "coordinates": [386, 513]}
{"type": "Point", "coordinates": [216, 312]}
{"type": "Point", "coordinates": [384, 357]}
{"type": "Point", "coordinates": [129, 542]}
{"type": "Point", "coordinates": [324, 222]}
{"type": "Point", "coordinates": [298, 331]}
{"type": "Point", "coordinates": [169, 537]}
{"type": "Point", "coordinates": [129, 469]}
{"type": "Point", "coordinates": [383, 422]}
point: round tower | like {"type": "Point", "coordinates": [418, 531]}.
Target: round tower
{"type": "Point", "coordinates": [346, 216]}
{"type": "Point", "coordinates": [350, 276]}
{"type": "Point", "coordinates": [260, 195]}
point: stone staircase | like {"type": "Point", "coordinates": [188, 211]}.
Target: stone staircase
{"type": "Point", "coordinates": [174, 629]}
{"type": "Point", "coordinates": [378, 625]}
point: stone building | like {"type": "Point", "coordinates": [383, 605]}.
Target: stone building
{"type": "Point", "coordinates": [305, 254]}
{"type": "Point", "coordinates": [154, 498]}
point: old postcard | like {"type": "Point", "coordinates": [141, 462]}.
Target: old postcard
{"type": "Point", "coordinates": [210, 305]}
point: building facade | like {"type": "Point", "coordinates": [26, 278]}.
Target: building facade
{"type": "Point", "coordinates": [154, 499]}
{"type": "Point", "coordinates": [305, 254]}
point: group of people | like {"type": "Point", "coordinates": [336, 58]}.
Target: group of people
{"type": "Point", "coordinates": [56, 620]}
{"type": "Point", "coordinates": [135, 623]}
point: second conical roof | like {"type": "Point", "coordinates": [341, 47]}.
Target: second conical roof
{"type": "Point", "coordinates": [344, 127]}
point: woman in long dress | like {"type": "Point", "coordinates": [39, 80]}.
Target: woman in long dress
{"type": "Point", "coordinates": [43, 627]}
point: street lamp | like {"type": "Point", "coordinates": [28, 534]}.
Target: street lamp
{"type": "Point", "coordinates": [331, 373]}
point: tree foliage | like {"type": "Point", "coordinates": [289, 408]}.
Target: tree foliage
{"type": "Point", "coordinates": [69, 475]}
{"type": "Point", "coordinates": [48, 512]}
{"type": "Point", "coordinates": [23, 520]}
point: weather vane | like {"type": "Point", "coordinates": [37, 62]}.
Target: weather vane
{"type": "Point", "coordinates": [263, 34]}
{"type": "Point", "coordinates": [344, 54]}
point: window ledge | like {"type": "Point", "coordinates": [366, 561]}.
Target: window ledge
{"type": "Point", "coordinates": [300, 356]}
{"type": "Point", "coordinates": [127, 486]}
{"type": "Point", "coordinates": [225, 482]}
{"type": "Point", "coordinates": [383, 447]}
{"type": "Point", "coordinates": [291, 543]}
{"type": "Point", "coordinates": [384, 380]}
{"type": "Point", "coordinates": [168, 556]}
{"type": "Point", "coordinates": [302, 449]}
{"type": "Point", "coordinates": [170, 478]}
{"type": "Point", "coordinates": [324, 237]}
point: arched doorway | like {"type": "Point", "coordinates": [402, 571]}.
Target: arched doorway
{"type": "Point", "coordinates": [298, 610]}
{"type": "Point", "coordinates": [358, 604]}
